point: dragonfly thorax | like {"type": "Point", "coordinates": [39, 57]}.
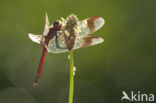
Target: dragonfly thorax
{"type": "Point", "coordinates": [52, 32]}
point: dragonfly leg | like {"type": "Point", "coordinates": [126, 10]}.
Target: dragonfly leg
{"type": "Point", "coordinates": [57, 43]}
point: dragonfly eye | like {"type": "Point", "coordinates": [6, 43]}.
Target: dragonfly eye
{"type": "Point", "coordinates": [56, 23]}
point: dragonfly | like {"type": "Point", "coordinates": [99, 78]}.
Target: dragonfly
{"type": "Point", "coordinates": [66, 34]}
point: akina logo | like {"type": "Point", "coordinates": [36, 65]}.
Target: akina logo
{"type": "Point", "coordinates": [137, 96]}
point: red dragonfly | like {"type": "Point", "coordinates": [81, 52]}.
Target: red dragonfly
{"type": "Point", "coordinates": [66, 34]}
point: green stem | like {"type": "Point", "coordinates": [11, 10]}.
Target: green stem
{"type": "Point", "coordinates": [71, 88]}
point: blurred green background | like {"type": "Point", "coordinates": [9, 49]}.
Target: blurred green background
{"type": "Point", "coordinates": [125, 61]}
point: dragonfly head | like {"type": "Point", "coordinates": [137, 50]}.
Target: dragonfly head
{"type": "Point", "coordinates": [56, 25]}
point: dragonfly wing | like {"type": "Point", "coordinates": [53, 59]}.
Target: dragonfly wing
{"type": "Point", "coordinates": [46, 28]}
{"type": "Point", "coordinates": [80, 42]}
{"type": "Point", "coordinates": [90, 25]}
{"type": "Point", "coordinates": [54, 49]}
{"type": "Point", "coordinates": [83, 41]}
{"type": "Point", "coordinates": [86, 41]}
{"type": "Point", "coordinates": [35, 38]}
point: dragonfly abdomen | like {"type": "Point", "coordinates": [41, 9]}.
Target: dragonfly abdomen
{"type": "Point", "coordinates": [40, 67]}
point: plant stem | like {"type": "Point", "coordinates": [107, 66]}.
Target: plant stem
{"type": "Point", "coordinates": [71, 88]}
